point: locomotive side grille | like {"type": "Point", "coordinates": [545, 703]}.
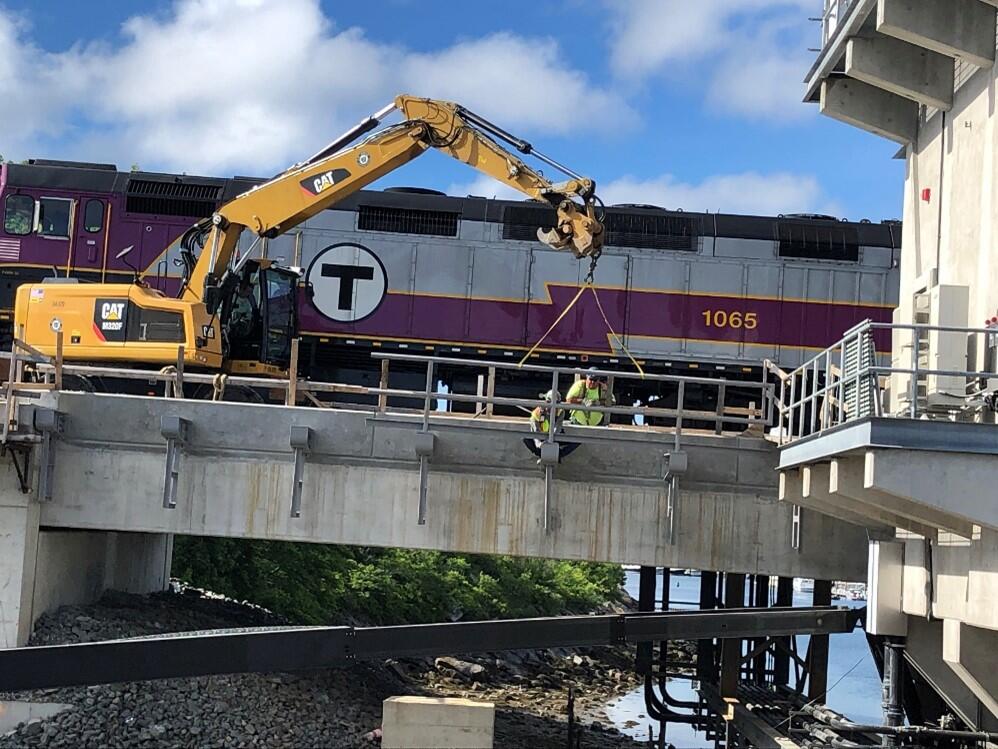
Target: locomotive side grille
{"type": "Point", "coordinates": [653, 232]}
{"type": "Point", "coordinates": [171, 198]}
{"type": "Point", "coordinates": [522, 221]}
{"type": "Point", "coordinates": [818, 242]}
{"type": "Point", "coordinates": [408, 221]}
{"type": "Point", "coordinates": [643, 231]}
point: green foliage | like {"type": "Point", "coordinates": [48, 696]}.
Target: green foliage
{"type": "Point", "coordinates": [315, 584]}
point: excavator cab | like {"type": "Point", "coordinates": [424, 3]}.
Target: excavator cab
{"type": "Point", "coordinates": [258, 317]}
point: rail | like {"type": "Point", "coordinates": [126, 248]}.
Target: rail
{"type": "Point", "coordinates": [933, 376]}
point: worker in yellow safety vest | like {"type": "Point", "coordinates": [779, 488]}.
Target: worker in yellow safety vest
{"type": "Point", "coordinates": [540, 422]}
{"type": "Point", "coordinates": [591, 391]}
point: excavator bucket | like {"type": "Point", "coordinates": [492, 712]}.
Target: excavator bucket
{"type": "Point", "coordinates": [582, 244]}
{"type": "Point", "coordinates": [553, 238]}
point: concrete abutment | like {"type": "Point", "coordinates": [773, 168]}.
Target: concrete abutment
{"type": "Point", "coordinates": [44, 568]}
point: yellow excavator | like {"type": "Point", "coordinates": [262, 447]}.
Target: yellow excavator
{"type": "Point", "coordinates": [133, 324]}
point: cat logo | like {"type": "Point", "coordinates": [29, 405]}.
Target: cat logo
{"type": "Point", "coordinates": [319, 183]}
{"type": "Point", "coordinates": [112, 312]}
{"type": "Point", "coordinates": [110, 318]}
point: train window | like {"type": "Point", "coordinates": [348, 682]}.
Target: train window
{"type": "Point", "coordinates": [408, 221]}
{"type": "Point", "coordinates": [93, 216]}
{"type": "Point", "coordinates": [19, 211]}
{"type": "Point", "coordinates": [818, 241]}
{"type": "Point", "coordinates": [54, 216]}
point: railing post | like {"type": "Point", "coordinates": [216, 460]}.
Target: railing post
{"type": "Point", "coordinates": [490, 391]}
{"type": "Point", "coordinates": [791, 405]}
{"type": "Point", "coordinates": [178, 387]}
{"type": "Point", "coordinates": [428, 396]}
{"type": "Point", "coordinates": [383, 385]}
{"type": "Point", "coordinates": [681, 397]}
{"type": "Point", "coordinates": [814, 394]}
{"type": "Point", "coordinates": [58, 360]}
{"type": "Point", "coordinates": [719, 411]}
{"type": "Point", "coordinates": [293, 374]}
{"type": "Point", "coordinates": [913, 385]}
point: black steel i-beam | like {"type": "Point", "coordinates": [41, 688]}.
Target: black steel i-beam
{"type": "Point", "coordinates": [262, 650]}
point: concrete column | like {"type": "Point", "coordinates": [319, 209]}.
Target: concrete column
{"type": "Point", "coordinates": [958, 28]}
{"type": "Point", "coordinates": [885, 583]}
{"type": "Point", "coordinates": [903, 69]}
{"type": "Point", "coordinates": [18, 551]}
{"type": "Point", "coordinates": [870, 108]}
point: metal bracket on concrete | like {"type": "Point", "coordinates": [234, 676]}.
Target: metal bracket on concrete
{"type": "Point", "coordinates": [51, 424]}
{"type": "Point", "coordinates": [676, 463]}
{"type": "Point", "coordinates": [176, 430]}
{"type": "Point", "coordinates": [425, 444]}
{"type": "Point", "coordinates": [550, 455]}
{"type": "Point", "coordinates": [301, 442]}
{"type": "Point", "coordinates": [795, 529]}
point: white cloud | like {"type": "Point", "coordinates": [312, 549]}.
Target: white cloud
{"type": "Point", "coordinates": [252, 85]}
{"type": "Point", "coordinates": [485, 187]}
{"type": "Point", "coordinates": [750, 55]}
{"type": "Point", "coordinates": [746, 193]}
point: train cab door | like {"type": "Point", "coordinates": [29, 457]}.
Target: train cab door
{"type": "Point", "coordinates": [90, 240]}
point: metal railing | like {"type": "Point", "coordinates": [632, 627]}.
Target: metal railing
{"type": "Point", "coordinates": [844, 382]}
{"type": "Point", "coordinates": [724, 415]}
{"type": "Point", "coordinates": [834, 13]}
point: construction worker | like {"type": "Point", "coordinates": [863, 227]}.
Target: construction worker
{"type": "Point", "coordinates": [540, 422]}
{"type": "Point", "coordinates": [591, 391]}
{"type": "Point", "coordinates": [244, 310]}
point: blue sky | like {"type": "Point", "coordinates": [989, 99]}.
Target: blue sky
{"type": "Point", "coordinates": [682, 103]}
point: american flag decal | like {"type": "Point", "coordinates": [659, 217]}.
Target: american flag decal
{"type": "Point", "coordinates": [10, 249]}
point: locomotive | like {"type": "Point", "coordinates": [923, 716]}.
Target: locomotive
{"type": "Point", "coordinates": [417, 271]}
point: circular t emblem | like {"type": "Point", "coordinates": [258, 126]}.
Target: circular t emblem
{"type": "Point", "coordinates": [348, 282]}
{"type": "Point", "coordinates": [363, 158]}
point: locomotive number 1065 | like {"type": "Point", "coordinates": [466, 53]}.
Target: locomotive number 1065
{"type": "Point", "coordinates": [719, 318]}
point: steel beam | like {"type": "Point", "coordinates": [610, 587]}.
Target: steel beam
{"type": "Point", "coordinates": [262, 650]}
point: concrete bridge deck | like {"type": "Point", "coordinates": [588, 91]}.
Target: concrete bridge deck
{"type": "Point", "coordinates": [485, 490]}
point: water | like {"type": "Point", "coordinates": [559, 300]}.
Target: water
{"type": "Point", "coordinates": [854, 686]}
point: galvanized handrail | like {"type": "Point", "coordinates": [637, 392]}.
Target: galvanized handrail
{"type": "Point", "coordinates": [844, 382]}
{"type": "Point", "coordinates": [721, 416]}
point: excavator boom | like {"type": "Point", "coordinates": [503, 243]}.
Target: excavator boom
{"type": "Point", "coordinates": [341, 169]}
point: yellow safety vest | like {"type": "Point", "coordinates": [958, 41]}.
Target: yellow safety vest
{"type": "Point", "coordinates": [588, 418]}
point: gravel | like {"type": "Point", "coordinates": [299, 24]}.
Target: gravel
{"type": "Point", "coordinates": [330, 708]}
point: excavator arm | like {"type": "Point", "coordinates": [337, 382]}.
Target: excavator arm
{"type": "Point", "coordinates": [340, 169]}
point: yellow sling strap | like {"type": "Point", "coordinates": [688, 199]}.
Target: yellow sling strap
{"type": "Point", "coordinates": [582, 290]}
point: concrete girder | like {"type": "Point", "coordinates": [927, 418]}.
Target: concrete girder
{"type": "Point", "coordinates": [958, 28]}
{"type": "Point", "coordinates": [870, 108]}
{"type": "Point", "coordinates": [814, 487]}
{"type": "Point", "coordinates": [848, 477]}
{"type": "Point", "coordinates": [903, 69]}
{"type": "Point", "coordinates": [792, 491]}
{"type": "Point", "coordinates": [845, 482]}
{"type": "Point", "coordinates": [972, 653]}
{"type": "Point", "coordinates": [945, 483]}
